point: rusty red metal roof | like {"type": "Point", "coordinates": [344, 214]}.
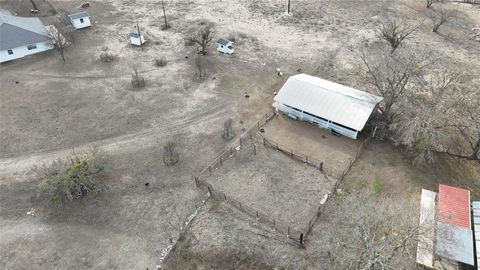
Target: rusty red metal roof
{"type": "Point", "coordinates": [454, 206]}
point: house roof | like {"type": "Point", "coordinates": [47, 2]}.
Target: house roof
{"type": "Point", "coordinates": [78, 15]}
{"type": "Point", "coordinates": [455, 243]}
{"type": "Point", "coordinates": [339, 103]}
{"type": "Point", "coordinates": [134, 35]}
{"type": "Point", "coordinates": [20, 31]}
{"type": "Point", "coordinates": [454, 206]}
{"type": "Point", "coordinates": [223, 41]}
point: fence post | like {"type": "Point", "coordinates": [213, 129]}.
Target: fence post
{"type": "Point", "coordinates": [321, 166]}
{"type": "Point", "coordinates": [224, 196]}
{"type": "Point", "coordinates": [210, 170]}
{"type": "Point", "coordinates": [258, 124]}
{"type": "Point", "coordinates": [256, 214]}
{"type": "Point", "coordinates": [288, 231]}
{"type": "Point", "coordinates": [221, 161]}
{"type": "Point", "coordinates": [301, 238]}
{"type": "Point", "coordinates": [196, 181]}
{"type": "Point", "coordinates": [306, 159]}
{"type": "Point", "coordinates": [209, 189]}
{"type": "Point", "coordinates": [254, 150]}
{"type": "Point", "coordinates": [240, 205]}
{"type": "Point", "coordinates": [310, 224]}
{"type": "Point", "coordinates": [231, 151]}
{"type": "Point", "coordinates": [263, 141]}
{"type": "Point", "coordinates": [274, 224]}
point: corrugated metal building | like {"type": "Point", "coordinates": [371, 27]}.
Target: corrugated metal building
{"type": "Point", "coordinates": [330, 105]}
{"type": "Point", "coordinates": [426, 237]}
{"type": "Point", "coordinates": [454, 234]}
{"type": "Point", "coordinates": [476, 229]}
{"type": "Point", "coordinates": [454, 206]}
{"type": "Point", "coordinates": [448, 245]}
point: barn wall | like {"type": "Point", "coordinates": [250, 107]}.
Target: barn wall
{"type": "Point", "coordinates": [22, 51]}
{"type": "Point", "coordinates": [324, 123]}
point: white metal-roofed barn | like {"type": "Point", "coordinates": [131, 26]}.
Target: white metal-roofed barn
{"type": "Point", "coordinates": [80, 19]}
{"type": "Point", "coordinates": [330, 105]}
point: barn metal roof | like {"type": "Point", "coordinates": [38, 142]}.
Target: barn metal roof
{"type": "Point", "coordinates": [425, 250]}
{"type": "Point", "coordinates": [78, 15]}
{"type": "Point", "coordinates": [454, 206]}
{"type": "Point", "coordinates": [339, 103]}
{"type": "Point", "coordinates": [455, 243]}
{"type": "Point", "coordinates": [20, 31]}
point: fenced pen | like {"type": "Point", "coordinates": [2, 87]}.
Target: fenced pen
{"type": "Point", "coordinates": [297, 235]}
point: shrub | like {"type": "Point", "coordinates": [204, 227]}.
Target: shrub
{"type": "Point", "coordinates": [71, 179]}
{"type": "Point", "coordinates": [228, 132]}
{"type": "Point", "coordinates": [106, 56]}
{"type": "Point", "coordinates": [170, 155]}
{"type": "Point", "coordinates": [137, 80]}
{"type": "Point", "coordinates": [161, 62]}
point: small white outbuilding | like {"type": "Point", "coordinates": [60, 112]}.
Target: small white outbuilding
{"type": "Point", "coordinates": [80, 19]}
{"type": "Point", "coordinates": [136, 39]}
{"type": "Point", "coordinates": [225, 46]}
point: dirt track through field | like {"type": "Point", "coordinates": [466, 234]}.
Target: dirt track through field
{"type": "Point", "coordinates": [138, 140]}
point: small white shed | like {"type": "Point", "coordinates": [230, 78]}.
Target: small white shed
{"type": "Point", "coordinates": [225, 46]}
{"type": "Point", "coordinates": [80, 19]}
{"type": "Point", "coordinates": [136, 39]}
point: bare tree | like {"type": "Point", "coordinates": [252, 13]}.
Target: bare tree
{"type": "Point", "coordinates": [429, 3]}
{"type": "Point", "coordinates": [170, 155]}
{"type": "Point", "coordinates": [469, 125]}
{"type": "Point", "coordinates": [62, 38]}
{"type": "Point", "coordinates": [374, 232]}
{"type": "Point", "coordinates": [426, 127]}
{"type": "Point", "coordinates": [62, 34]}
{"type": "Point", "coordinates": [395, 31]}
{"type": "Point", "coordinates": [439, 17]}
{"type": "Point", "coordinates": [228, 132]}
{"type": "Point", "coordinates": [390, 74]}
{"type": "Point", "coordinates": [166, 26]}
{"type": "Point", "coordinates": [204, 37]}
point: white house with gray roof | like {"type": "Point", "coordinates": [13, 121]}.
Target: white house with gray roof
{"type": "Point", "coordinates": [80, 19]}
{"type": "Point", "coordinates": [20, 36]}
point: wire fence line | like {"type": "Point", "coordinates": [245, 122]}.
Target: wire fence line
{"type": "Point", "coordinates": [297, 236]}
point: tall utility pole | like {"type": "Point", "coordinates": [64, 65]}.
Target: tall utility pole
{"type": "Point", "coordinates": [140, 36]}
{"type": "Point", "coordinates": [288, 7]}
{"type": "Point", "coordinates": [164, 16]}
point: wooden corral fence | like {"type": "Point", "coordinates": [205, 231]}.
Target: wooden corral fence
{"type": "Point", "coordinates": [298, 237]}
{"type": "Point", "coordinates": [330, 170]}
{"type": "Point", "coordinates": [201, 182]}
{"type": "Point", "coordinates": [230, 151]}
{"type": "Point", "coordinates": [340, 178]}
